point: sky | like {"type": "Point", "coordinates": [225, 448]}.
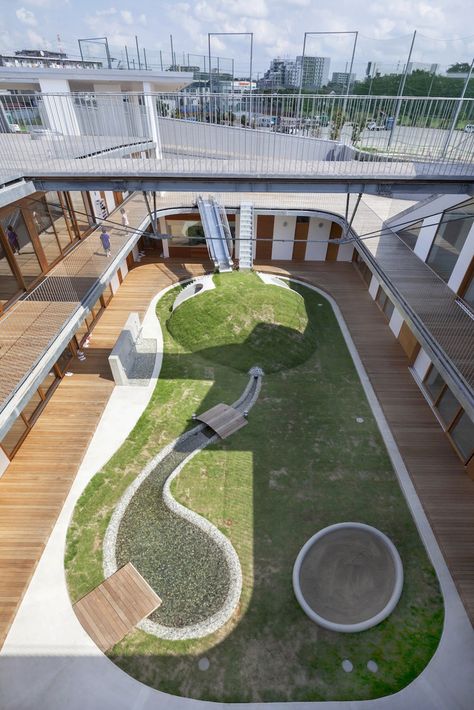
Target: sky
{"type": "Point", "coordinates": [445, 29]}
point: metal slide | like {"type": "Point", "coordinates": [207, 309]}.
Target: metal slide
{"type": "Point", "coordinates": [217, 233]}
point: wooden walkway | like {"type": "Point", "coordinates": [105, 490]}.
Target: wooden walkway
{"type": "Point", "coordinates": [35, 485]}
{"type": "Point", "coordinates": [224, 420]}
{"type": "Point", "coordinates": [444, 488]}
{"type": "Point", "coordinates": [113, 609]}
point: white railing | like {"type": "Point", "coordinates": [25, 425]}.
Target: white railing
{"type": "Point", "coordinates": [234, 134]}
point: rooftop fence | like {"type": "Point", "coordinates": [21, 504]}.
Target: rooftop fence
{"type": "Point", "coordinates": [237, 134]}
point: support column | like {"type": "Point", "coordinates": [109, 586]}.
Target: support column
{"type": "Point", "coordinates": [164, 242]}
{"type": "Point", "coordinates": [59, 109]}
{"type": "Point", "coordinates": [152, 117]}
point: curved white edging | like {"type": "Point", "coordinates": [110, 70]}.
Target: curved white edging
{"type": "Point", "coordinates": [367, 623]}
{"type": "Point", "coordinates": [217, 620]}
{"type": "Point", "coordinates": [206, 283]}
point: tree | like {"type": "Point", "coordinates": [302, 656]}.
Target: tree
{"type": "Point", "coordinates": [338, 121]}
{"type": "Point", "coordinates": [459, 68]}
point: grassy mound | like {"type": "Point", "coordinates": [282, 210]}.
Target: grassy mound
{"type": "Point", "coordinates": [244, 322]}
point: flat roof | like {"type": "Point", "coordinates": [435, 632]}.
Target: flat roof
{"type": "Point", "coordinates": [18, 75]}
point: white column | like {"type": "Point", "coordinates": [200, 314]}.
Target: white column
{"type": "Point", "coordinates": [463, 262]}
{"type": "Point", "coordinates": [152, 117]}
{"type": "Point", "coordinates": [345, 252]}
{"type": "Point", "coordinates": [318, 234]}
{"type": "Point", "coordinates": [426, 236]}
{"type": "Point", "coordinates": [283, 228]}
{"type": "Point", "coordinates": [374, 287]}
{"type": "Point", "coordinates": [421, 364]}
{"type": "Point", "coordinates": [114, 283]}
{"type": "Point", "coordinates": [4, 462]}
{"type": "Point", "coordinates": [162, 226]}
{"type": "Point", "coordinates": [109, 200]}
{"type": "Point", "coordinates": [396, 322]}
{"type": "Point", "coordinates": [59, 109]}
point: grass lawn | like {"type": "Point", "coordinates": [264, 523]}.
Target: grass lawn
{"type": "Point", "coordinates": [303, 462]}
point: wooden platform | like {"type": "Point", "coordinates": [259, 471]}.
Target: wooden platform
{"type": "Point", "coordinates": [116, 606]}
{"type": "Point", "coordinates": [224, 420]}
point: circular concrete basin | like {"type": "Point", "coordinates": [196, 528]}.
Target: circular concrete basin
{"type": "Point", "coordinates": [348, 577]}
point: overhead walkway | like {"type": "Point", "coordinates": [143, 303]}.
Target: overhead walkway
{"type": "Point", "coordinates": [217, 233]}
{"type": "Point", "coordinates": [443, 329]}
{"type": "Point", "coordinates": [46, 319]}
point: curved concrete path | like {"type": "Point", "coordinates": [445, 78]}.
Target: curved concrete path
{"type": "Point", "coordinates": [48, 661]}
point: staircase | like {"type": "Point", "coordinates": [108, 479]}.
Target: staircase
{"type": "Point", "coordinates": [217, 233]}
{"type": "Point", "coordinates": [247, 235]}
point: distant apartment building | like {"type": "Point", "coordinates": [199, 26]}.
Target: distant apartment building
{"type": "Point", "coordinates": [312, 72]}
{"type": "Point", "coordinates": [276, 77]}
{"type": "Point", "coordinates": [341, 79]}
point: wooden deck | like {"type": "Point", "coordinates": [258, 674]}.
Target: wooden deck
{"type": "Point", "coordinates": [222, 419]}
{"type": "Point", "coordinates": [33, 489]}
{"type": "Point", "coordinates": [35, 485]}
{"type": "Point", "coordinates": [444, 488]}
{"type": "Point", "coordinates": [113, 609]}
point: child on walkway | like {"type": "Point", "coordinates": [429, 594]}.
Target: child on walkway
{"type": "Point", "coordinates": [105, 239]}
{"type": "Point", "coordinates": [13, 239]}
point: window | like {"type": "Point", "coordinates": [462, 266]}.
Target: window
{"type": "Point", "coordinates": [463, 436]}
{"type": "Point", "coordinates": [61, 217]}
{"type": "Point", "coordinates": [456, 422]}
{"type": "Point", "coordinates": [447, 406]}
{"type": "Point", "coordinates": [385, 303]}
{"type": "Point", "coordinates": [468, 291]}
{"type": "Point", "coordinates": [434, 383]}
{"type": "Point", "coordinates": [9, 285]}
{"type": "Point", "coordinates": [409, 235]}
{"type": "Point", "coordinates": [82, 210]}
{"type": "Point", "coordinates": [14, 436]}
{"type": "Point", "coordinates": [302, 220]}
{"type": "Point", "coordinates": [41, 222]}
{"type": "Point", "coordinates": [450, 239]}
{"type": "Point", "coordinates": [364, 270]}
{"type": "Point", "coordinates": [185, 233]}
{"type": "Point", "coordinates": [21, 246]}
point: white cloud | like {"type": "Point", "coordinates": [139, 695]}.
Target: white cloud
{"type": "Point", "coordinates": [127, 17]}
{"type": "Point", "coordinates": [37, 41]}
{"type": "Point", "coordinates": [107, 11]}
{"type": "Point", "coordinates": [26, 17]}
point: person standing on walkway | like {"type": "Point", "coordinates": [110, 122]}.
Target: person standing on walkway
{"type": "Point", "coordinates": [124, 215]}
{"type": "Point", "coordinates": [13, 239]}
{"type": "Point", "coordinates": [105, 239]}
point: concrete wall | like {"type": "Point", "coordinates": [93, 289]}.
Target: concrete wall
{"type": "Point", "coordinates": [124, 352]}
{"type": "Point", "coordinates": [59, 110]}
{"type": "Point", "coordinates": [194, 138]}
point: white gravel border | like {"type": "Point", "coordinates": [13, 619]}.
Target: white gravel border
{"type": "Point", "coordinates": [217, 620]}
